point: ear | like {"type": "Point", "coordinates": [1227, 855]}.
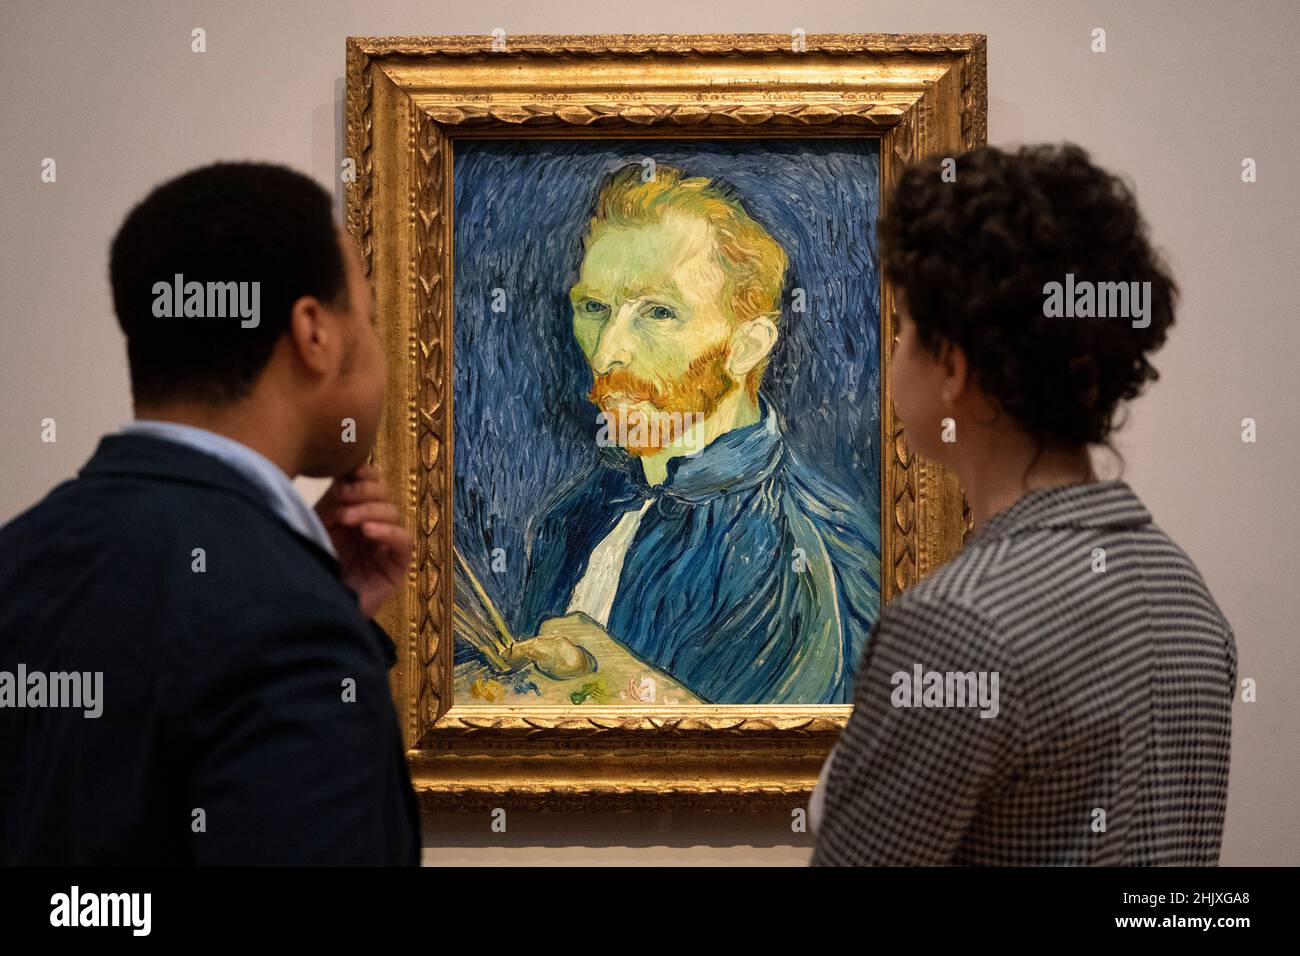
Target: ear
{"type": "Point", "coordinates": [956, 371]}
{"type": "Point", "coordinates": [750, 344]}
{"type": "Point", "coordinates": [314, 335]}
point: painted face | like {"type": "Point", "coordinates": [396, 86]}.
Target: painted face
{"type": "Point", "coordinates": [649, 315]}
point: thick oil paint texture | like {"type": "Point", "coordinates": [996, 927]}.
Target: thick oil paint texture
{"type": "Point", "coordinates": [753, 575]}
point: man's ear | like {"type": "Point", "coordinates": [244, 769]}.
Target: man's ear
{"type": "Point", "coordinates": [751, 344]}
{"type": "Point", "coordinates": [314, 335]}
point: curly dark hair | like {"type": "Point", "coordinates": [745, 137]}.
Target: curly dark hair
{"type": "Point", "coordinates": [973, 256]}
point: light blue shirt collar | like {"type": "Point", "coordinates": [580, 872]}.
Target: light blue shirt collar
{"type": "Point", "coordinates": [280, 493]}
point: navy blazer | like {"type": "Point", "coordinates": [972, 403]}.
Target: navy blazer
{"type": "Point", "coordinates": [228, 733]}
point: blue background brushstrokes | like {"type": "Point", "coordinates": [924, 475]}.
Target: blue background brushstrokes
{"type": "Point", "coordinates": [522, 424]}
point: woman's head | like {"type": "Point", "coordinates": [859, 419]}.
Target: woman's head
{"type": "Point", "coordinates": [1002, 266]}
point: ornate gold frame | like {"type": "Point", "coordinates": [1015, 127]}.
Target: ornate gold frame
{"type": "Point", "coordinates": [408, 99]}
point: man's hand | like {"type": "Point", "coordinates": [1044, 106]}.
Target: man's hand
{"type": "Point", "coordinates": [557, 649]}
{"type": "Point", "coordinates": [373, 548]}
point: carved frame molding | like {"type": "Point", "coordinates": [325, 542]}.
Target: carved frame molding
{"type": "Point", "coordinates": [408, 100]}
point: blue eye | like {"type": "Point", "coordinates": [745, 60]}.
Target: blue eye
{"type": "Point", "coordinates": [592, 307]}
{"type": "Point", "coordinates": [660, 313]}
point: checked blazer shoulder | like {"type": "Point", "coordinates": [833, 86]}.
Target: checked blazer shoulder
{"type": "Point", "coordinates": [1114, 673]}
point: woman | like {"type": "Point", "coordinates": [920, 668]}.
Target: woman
{"type": "Point", "coordinates": [1060, 691]}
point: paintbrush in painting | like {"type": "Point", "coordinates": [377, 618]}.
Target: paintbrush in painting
{"type": "Point", "coordinates": [477, 618]}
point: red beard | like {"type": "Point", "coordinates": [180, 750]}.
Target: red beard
{"type": "Point", "coordinates": [673, 405]}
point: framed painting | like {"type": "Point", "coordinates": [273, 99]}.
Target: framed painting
{"type": "Point", "coordinates": [639, 411]}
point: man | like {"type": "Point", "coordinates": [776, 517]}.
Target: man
{"type": "Point", "coordinates": [699, 541]}
{"type": "Point", "coordinates": [244, 714]}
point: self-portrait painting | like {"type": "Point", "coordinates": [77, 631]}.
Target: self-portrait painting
{"type": "Point", "coordinates": [666, 401]}
{"type": "Point", "coordinates": [640, 419]}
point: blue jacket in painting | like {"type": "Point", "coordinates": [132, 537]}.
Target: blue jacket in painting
{"type": "Point", "coordinates": [750, 579]}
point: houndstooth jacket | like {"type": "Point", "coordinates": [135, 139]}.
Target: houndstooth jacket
{"type": "Point", "coordinates": [1115, 674]}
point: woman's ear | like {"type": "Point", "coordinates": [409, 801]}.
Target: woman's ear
{"type": "Point", "coordinates": [751, 344]}
{"type": "Point", "coordinates": [956, 371]}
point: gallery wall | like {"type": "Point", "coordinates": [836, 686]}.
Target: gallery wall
{"type": "Point", "coordinates": [1182, 94]}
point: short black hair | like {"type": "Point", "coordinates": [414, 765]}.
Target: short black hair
{"type": "Point", "coordinates": [972, 257]}
{"type": "Point", "coordinates": [228, 222]}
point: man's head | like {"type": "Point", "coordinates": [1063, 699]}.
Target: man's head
{"type": "Point", "coordinates": [677, 300]}
{"type": "Point", "coordinates": [238, 293]}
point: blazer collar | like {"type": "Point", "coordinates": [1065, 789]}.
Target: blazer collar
{"type": "Point", "coordinates": [1094, 504]}
{"type": "Point", "coordinates": [143, 456]}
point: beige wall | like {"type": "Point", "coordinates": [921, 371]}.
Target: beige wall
{"type": "Point", "coordinates": [112, 92]}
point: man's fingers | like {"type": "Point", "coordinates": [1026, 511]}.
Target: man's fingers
{"type": "Point", "coordinates": [356, 492]}
{"type": "Point", "coordinates": [392, 536]}
{"type": "Point", "coordinates": [358, 475]}
{"type": "Point", "coordinates": [366, 472]}
{"type": "Point", "coordinates": [381, 511]}
{"type": "Point", "coordinates": [341, 485]}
